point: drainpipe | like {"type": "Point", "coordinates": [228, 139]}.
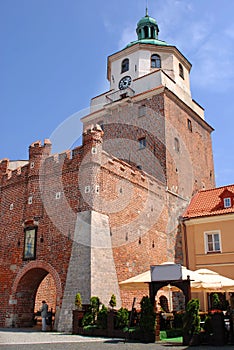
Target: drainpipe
{"type": "Point", "coordinates": [183, 220]}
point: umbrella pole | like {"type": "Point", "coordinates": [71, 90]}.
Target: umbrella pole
{"type": "Point", "coordinates": [205, 300]}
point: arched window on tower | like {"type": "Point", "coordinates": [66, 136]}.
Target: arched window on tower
{"type": "Point", "coordinates": [125, 65]}
{"type": "Point", "coordinates": [181, 71]}
{"type": "Point", "coordinates": [155, 61]}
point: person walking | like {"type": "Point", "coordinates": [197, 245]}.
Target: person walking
{"type": "Point", "coordinates": [44, 312]}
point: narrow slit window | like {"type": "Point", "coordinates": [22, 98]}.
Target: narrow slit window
{"type": "Point", "coordinates": [177, 145]}
{"type": "Point", "coordinates": [181, 71]}
{"type": "Point", "coordinates": [189, 124]}
{"type": "Point", "coordinates": [142, 111]}
{"type": "Point", "coordinates": [142, 143]}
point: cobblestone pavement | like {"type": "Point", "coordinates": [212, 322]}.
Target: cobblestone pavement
{"type": "Point", "coordinates": [25, 339]}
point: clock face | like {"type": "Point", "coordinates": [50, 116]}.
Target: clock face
{"type": "Point", "coordinates": [125, 82]}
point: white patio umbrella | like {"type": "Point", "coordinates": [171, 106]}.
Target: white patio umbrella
{"type": "Point", "coordinates": [202, 280]}
{"type": "Point", "coordinates": [212, 281]}
{"type": "Point", "coordinates": [140, 281]}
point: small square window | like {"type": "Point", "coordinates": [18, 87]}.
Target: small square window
{"type": "Point", "coordinates": [227, 202]}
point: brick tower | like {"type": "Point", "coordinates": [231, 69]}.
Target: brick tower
{"type": "Point", "coordinates": [104, 212]}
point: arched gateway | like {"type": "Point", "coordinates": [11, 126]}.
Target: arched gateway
{"type": "Point", "coordinates": [24, 289]}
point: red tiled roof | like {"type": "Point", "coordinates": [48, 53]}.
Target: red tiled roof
{"type": "Point", "coordinates": [210, 202]}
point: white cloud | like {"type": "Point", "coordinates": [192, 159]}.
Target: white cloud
{"type": "Point", "coordinates": [208, 46]}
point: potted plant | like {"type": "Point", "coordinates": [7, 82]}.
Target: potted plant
{"type": "Point", "coordinates": [214, 325]}
{"type": "Point", "coordinates": [191, 323]}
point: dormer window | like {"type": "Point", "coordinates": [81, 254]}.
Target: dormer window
{"type": "Point", "coordinates": [155, 61]}
{"type": "Point", "coordinates": [181, 71]}
{"type": "Point", "coordinates": [227, 202]}
{"type": "Point", "coordinates": [125, 65]}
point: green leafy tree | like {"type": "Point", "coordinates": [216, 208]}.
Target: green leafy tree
{"type": "Point", "coordinates": [102, 317]}
{"type": "Point", "coordinates": [216, 303]}
{"type": "Point", "coordinates": [94, 307]}
{"type": "Point", "coordinates": [147, 319]}
{"type": "Point", "coordinates": [191, 320]}
{"type": "Point", "coordinates": [87, 319]}
{"type": "Point", "coordinates": [90, 316]}
{"type": "Point", "coordinates": [122, 318]}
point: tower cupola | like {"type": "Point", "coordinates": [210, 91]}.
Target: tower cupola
{"type": "Point", "coordinates": [147, 28]}
{"type": "Point", "coordinates": [147, 32]}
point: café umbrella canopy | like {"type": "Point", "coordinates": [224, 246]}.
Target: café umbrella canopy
{"type": "Point", "coordinates": [141, 281]}
{"type": "Point", "coordinates": [212, 281]}
{"type": "Point", "coordinates": [201, 280]}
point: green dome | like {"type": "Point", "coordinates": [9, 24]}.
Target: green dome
{"type": "Point", "coordinates": [146, 20]}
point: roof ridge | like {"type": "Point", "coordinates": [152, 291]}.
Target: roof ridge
{"type": "Point", "coordinates": [215, 188]}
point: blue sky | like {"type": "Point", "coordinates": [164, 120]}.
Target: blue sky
{"type": "Point", "coordinates": [53, 56]}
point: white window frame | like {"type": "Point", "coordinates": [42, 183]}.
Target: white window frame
{"type": "Point", "coordinates": [227, 203]}
{"type": "Point", "coordinates": [212, 233]}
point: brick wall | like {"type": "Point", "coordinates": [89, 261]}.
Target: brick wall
{"type": "Point", "coordinates": [142, 206]}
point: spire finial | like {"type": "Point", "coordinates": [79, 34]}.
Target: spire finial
{"type": "Point", "coordinates": [146, 9]}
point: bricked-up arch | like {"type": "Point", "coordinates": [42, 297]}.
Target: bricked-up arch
{"type": "Point", "coordinates": [24, 291]}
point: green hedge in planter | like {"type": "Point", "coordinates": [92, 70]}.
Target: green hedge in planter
{"type": "Point", "coordinates": [147, 320]}
{"type": "Point", "coordinates": [102, 317]}
{"type": "Point", "coordinates": [191, 323]}
{"type": "Point", "coordinates": [122, 318]}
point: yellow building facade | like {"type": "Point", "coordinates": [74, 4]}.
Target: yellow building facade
{"type": "Point", "coordinates": [208, 231]}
